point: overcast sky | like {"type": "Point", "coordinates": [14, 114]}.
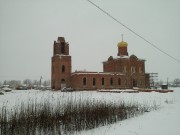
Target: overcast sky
{"type": "Point", "coordinates": [28, 29]}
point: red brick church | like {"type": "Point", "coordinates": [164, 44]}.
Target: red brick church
{"type": "Point", "coordinates": [122, 72]}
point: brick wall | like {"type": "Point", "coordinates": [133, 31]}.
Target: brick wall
{"type": "Point", "coordinates": [77, 81]}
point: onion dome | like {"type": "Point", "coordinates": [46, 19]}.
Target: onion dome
{"type": "Point", "coordinates": [122, 43]}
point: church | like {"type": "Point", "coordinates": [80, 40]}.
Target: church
{"type": "Point", "coordinates": [121, 72]}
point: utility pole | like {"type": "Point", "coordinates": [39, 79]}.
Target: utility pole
{"type": "Point", "coordinates": [40, 81]}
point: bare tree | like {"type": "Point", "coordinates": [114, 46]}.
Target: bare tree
{"type": "Point", "coordinates": [27, 82]}
{"type": "Point", "coordinates": [176, 82]}
{"type": "Point", "coordinates": [14, 83]}
{"type": "Point", "coordinates": [46, 83]}
{"type": "Point", "coordinates": [6, 82]}
{"type": "Point", "coordinates": [40, 81]}
{"type": "Point", "coordinates": [35, 82]}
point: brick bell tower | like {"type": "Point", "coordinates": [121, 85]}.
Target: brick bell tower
{"type": "Point", "coordinates": [61, 65]}
{"type": "Point", "coordinates": [122, 48]}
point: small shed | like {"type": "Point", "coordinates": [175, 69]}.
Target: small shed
{"type": "Point", "coordinates": [164, 86]}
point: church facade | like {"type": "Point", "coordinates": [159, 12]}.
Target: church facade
{"type": "Point", "coordinates": [121, 72]}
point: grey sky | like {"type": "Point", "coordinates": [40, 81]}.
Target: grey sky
{"type": "Point", "coordinates": [29, 27]}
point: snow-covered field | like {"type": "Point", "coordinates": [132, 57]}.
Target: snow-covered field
{"type": "Point", "coordinates": [164, 121]}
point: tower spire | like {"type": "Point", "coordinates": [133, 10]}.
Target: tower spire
{"type": "Point", "coordinates": [122, 47]}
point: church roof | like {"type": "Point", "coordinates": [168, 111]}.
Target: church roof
{"type": "Point", "coordinates": [92, 73]}
{"type": "Point", "coordinates": [123, 57]}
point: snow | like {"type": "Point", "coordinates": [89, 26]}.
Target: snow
{"type": "Point", "coordinates": [102, 73]}
{"type": "Point", "coordinates": [118, 90]}
{"type": "Point", "coordinates": [161, 122]}
{"type": "Point", "coordinates": [121, 57]}
{"type": "Point", "coordinates": [6, 88]}
{"type": "Point", "coordinates": [126, 57]}
{"type": "Point", "coordinates": [164, 121]}
{"type": "Point", "coordinates": [62, 55]}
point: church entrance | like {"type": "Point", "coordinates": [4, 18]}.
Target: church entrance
{"type": "Point", "coordinates": [63, 83]}
{"type": "Point", "coordinates": [134, 83]}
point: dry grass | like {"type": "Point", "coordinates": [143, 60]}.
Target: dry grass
{"type": "Point", "coordinates": [65, 117]}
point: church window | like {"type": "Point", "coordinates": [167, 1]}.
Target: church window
{"type": "Point", "coordinates": [111, 81]}
{"type": "Point", "coordinates": [94, 81]}
{"type": "Point", "coordinates": [63, 68]}
{"type": "Point", "coordinates": [102, 81]}
{"type": "Point", "coordinates": [84, 81]}
{"type": "Point", "coordinates": [62, 81]}
{"type": "Point", "coordinates": [62, 48]}
{"type": "Point", "coordinates": [133, 69]}
{"type": "Point", "coordinates": [119, 81]}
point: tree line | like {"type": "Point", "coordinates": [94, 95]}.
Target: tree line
{"type": "Point", "coordinates": [26, 82]}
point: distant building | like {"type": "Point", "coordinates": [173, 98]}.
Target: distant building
{"type": "Point", "coordinates": [121, 72]}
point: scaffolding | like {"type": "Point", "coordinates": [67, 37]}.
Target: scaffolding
{"type": "Point", "coordinates": [153, 78]}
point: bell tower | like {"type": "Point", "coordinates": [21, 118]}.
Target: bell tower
{"type": "Point", "coordinates": [61, 65]}
{"type": "Point", "coordinates": [122, 48]}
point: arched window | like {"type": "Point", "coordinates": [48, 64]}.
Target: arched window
{"type": "Point", "coordinates": [84, 81]}
{"type": "Point", "coordinates": [111, 81]}
{"type": "Point", "coordinates": [94, 81]}
{"type": "Point", "coordinates": [119, 81]}
{"type": "Point", "coordinates": [62, 81]}
{"type": "Point", "coordinates": [63, 68]}
{"type": "Point", "coordinates": [102, 81]}
{"type": "Point", "coordinates": [134, 83]}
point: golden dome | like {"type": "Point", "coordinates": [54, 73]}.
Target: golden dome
{"type": "Point", "coordinates": [122, 44]}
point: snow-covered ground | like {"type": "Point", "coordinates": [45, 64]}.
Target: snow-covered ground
{"type": "Point", "coordinates": [164, 121]}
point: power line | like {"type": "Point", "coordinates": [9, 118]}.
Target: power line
{"type": "Point", "coordinates": [153, 45]}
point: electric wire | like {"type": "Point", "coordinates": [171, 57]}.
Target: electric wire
{"type": "Point", "coordinates": [153, 45]}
